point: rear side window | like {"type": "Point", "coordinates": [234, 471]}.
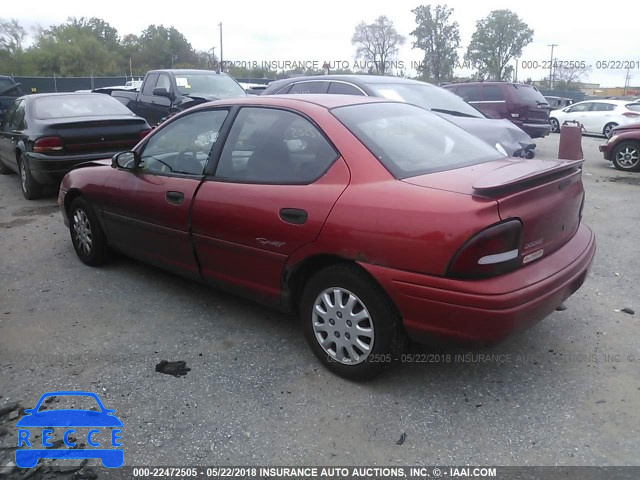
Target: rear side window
{"type": "Point", "coordinates": [411, 141]}
{"type": "Point", "coordinates": [635, 107]}
{"type": "Point", "coordinates": [267, 145]}
{"type": "Point", "coordinates": [76, 105]}
{"type": "Point", "coordinates": [528, 94]}
{"type": "Point", "coordinates": [310, 87]}
{"type": "Point", "coordinates": [492, 93]}
{"type": "Point", "coordinates": [468, 93]}
{"type": "Point", "coordinates": [603, 107]}
{"type": "Point", "coordinates": [17, 121]}
{"type": "Point", "coordinates": [344, 89]}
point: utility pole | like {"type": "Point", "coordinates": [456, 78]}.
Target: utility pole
{"type": "Point", "coordinates": [221, 64]}
{"type": "Point", "coordinates": [551, 66]}
{"type": "Point", "coordinates": [627, 81]}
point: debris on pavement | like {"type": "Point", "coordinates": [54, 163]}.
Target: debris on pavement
{"type": "Point", "coordinates": [177, 369]}
{"type": "Point", "coordinates": [402, 438]}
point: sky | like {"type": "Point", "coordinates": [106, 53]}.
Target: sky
{"type": "Point", "coordinates": [304, 30]}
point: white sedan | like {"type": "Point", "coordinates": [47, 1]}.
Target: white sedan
{"type": "Point", "coordinates": [598, 117]}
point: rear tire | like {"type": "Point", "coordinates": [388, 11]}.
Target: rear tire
{"type": "Point", "coordinates": [555, 125]}
{"type": "Point", "coordinates": [350, 323]}
{"type": "Point", "coordinates": [30, 188]}
{"type": "Point", "coordinates": [626, 156]}
{"type": "Point", "coordinates": [87, 235]}
{"type": "Point", "coordinates": [608, 128]}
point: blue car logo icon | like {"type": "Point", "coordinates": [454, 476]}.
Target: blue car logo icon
{"type": "Point", "coordinates": [104, 419]}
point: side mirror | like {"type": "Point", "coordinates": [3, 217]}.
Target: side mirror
{"type": "Point", "coordinates": [126, 160]}
{"type": "Point", "coordinates": [161, 92]}
{"type": "Point", "coordinates": [565, 109]}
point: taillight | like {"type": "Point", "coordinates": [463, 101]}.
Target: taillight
{"type": "Point", "coordinates": [47, 144]}
{"type": "Point", "coordinates": [144, 133]}
{"type": "Point", "coordinates": [493, 251]}
{"type": "Point", "coordinates": [631, 114]}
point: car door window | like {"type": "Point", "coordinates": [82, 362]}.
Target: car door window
{"type": "Point", "coordinates": [344, 89]}
{"type": "Point", "coordinates": [267, 145]}
{"type": "Point", "coordinates": [164, 82]}
{"type": "Point", "coordinates": [603, 107]}
{"type": "Point", "coordinates": [468, 93]}
{"type": "Point", "coordinates": [8, 116]}
{"type": "Point", "coordinates": [492, 93]}
{"type": "Point", "coordinates": [581, 107]}
{"type": "Point", "coordinates": [150, 84]}
{"type": "Point", "coordinates": [183, 146]}
{"type": "Point", "coordinates": [310, 87]}
{"type": "Point", "coordinates": [17, 121]}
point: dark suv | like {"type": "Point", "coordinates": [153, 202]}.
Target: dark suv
{"type": "Point", "coordinates": [523, 104]}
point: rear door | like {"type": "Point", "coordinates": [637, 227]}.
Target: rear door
{"type": "Point", "coordinates": [599, 115]}
{"type": "Point", "coordinates": [10, 132]}
{"type": "Point", "coordinates": [275, 183]}
{"type": "Point", "coordinates": [494, 102]}
{"type": "Point", "coordinates": [146, 210]}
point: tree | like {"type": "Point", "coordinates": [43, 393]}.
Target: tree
{"type": "Point", "coordinates": [568, 74]}
{"type": "Point", "coordinates": [12, 37]}
{"type": "Point", "coordinates": [439, 38]}
{"type": "Point", "coordinates": [499, 37]}
{"type": "Point", "coordinates": [377, 43]}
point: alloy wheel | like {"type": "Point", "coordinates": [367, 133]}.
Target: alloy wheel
{"type": "Point", "coordinates": [627, 157]}
{"type": "Point", "coordinates": [343, 326]}
{"type": "Point", "coordinates": [82, 231]}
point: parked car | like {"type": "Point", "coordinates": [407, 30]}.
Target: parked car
{"type": "Point", "coordinates": [340, 208]}
{"type": "Point", "coordinates": [598, 117]}
{"type": "Point", "coordinates": [9, 91]}
{"type": "Point", "coordinates": [623, 148]}
{"type": "Point", "coordinates": [520, 103]}
{"type": "Point", "coordinates": [558, 102]}
{"type": "Point", "coordinates": [511, 140]}
{"type": "Point", "coordinates": [43, 136]}
{"type": "Point", "coordinates": [166, 92]}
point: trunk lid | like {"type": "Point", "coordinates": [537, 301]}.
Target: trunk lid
{"type": "Point", "coordinates": [546, 195]}
{"type": "Point", "coordinates": [97, 134]}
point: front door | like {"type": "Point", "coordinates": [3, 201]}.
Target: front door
{"type": "Point", "coordinates": [10, 133]}
{"type": "Point", "coordinates": [147, 210]}
{"type": "Point", "coordinates": [274, 186]}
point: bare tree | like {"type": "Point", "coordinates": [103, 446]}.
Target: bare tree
{"type": "Point", "coordinates": [567, 73]}
{"type": "Point", "coordinates": [377, 43]}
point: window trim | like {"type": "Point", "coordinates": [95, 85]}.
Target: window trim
{"type": "Point", "coordinates": [214, 178]}
{"type": "Point", "coordinates": [213, 150]}
{"type": "Point", "coordinates": [321, 80]}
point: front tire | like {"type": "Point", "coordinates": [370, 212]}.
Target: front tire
{"type": "Point", "coordinates": [626, 156]}
{"type": "Point", "coordinates": [608, 129]}
{"type": "Point", "coordinates": [30, 188]}
{"type": "Point", "coordinates": [350, 323]}
{"type": "Point", "coordinates": [555, 125]}
{"type": "Point", "coordinates": [87, 235]}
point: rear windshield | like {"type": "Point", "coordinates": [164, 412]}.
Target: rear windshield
{"type": "Point", "coordinates": [410, 141]}
{"type": "Point", "coordinates": [219, 86]}
{"type": "Point", "coordinates": [426, 96]}
{"type": "Point", "coordinates": [633, 106]}
{"type": "Point", "coordinates": [96, 104]}
{"type": "Point", "coordinates": [526, 93]}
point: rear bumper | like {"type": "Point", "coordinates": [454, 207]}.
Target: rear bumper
{"type": "Point", "coordinates": [487, 311]}
{"type": "Point", "coordinates": [536, 130]}
{"type": "Point", "coordinates": [49, 169]}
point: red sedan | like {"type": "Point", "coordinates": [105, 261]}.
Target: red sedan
{"type": "Point", "coordinates": [623, 148]}
{"type": "Point", "coordinates": [373, 220]}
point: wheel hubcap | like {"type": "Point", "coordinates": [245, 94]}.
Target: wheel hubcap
{"type": "Point", "coordinates": [607, 131]}
{"type": "Point", "coordinates": [628, 157]}
{"type": "Point", "coordinates": [342, 325]}
{"type": "Point", "coordinates": [82, 231]}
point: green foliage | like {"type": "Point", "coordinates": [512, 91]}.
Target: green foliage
{"type": "Point", "coordinates": [499, 37]}
{"type": "Point", "coordinates": [439, 38]}
{"type": "Point", "coordinates": [91, 46]}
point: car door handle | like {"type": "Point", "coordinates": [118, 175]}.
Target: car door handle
{"type": "Point", "coordinates": [294, 215]}
{"type": "Point", "coordinates": [175, 198]}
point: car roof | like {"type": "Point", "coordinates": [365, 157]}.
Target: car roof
{"type": "Point", "coordinates": [59, 94]}
{"type": "Point", "coordinates": [615, 102]}
{"type": "Point", "coordinates": [356, 79]}
{"type": "Point", "coordinates": [324, 100]}
{"type": "Point", "coordinates": [186, 71]}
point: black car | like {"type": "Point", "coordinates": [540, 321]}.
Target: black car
{"type": "Point", "coordinates": [44, 136]}
{"type": "Point", "coordinates": [502, 134]}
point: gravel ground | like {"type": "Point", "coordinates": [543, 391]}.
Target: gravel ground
{"type": "Point", "coordinates": [566, 392]}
